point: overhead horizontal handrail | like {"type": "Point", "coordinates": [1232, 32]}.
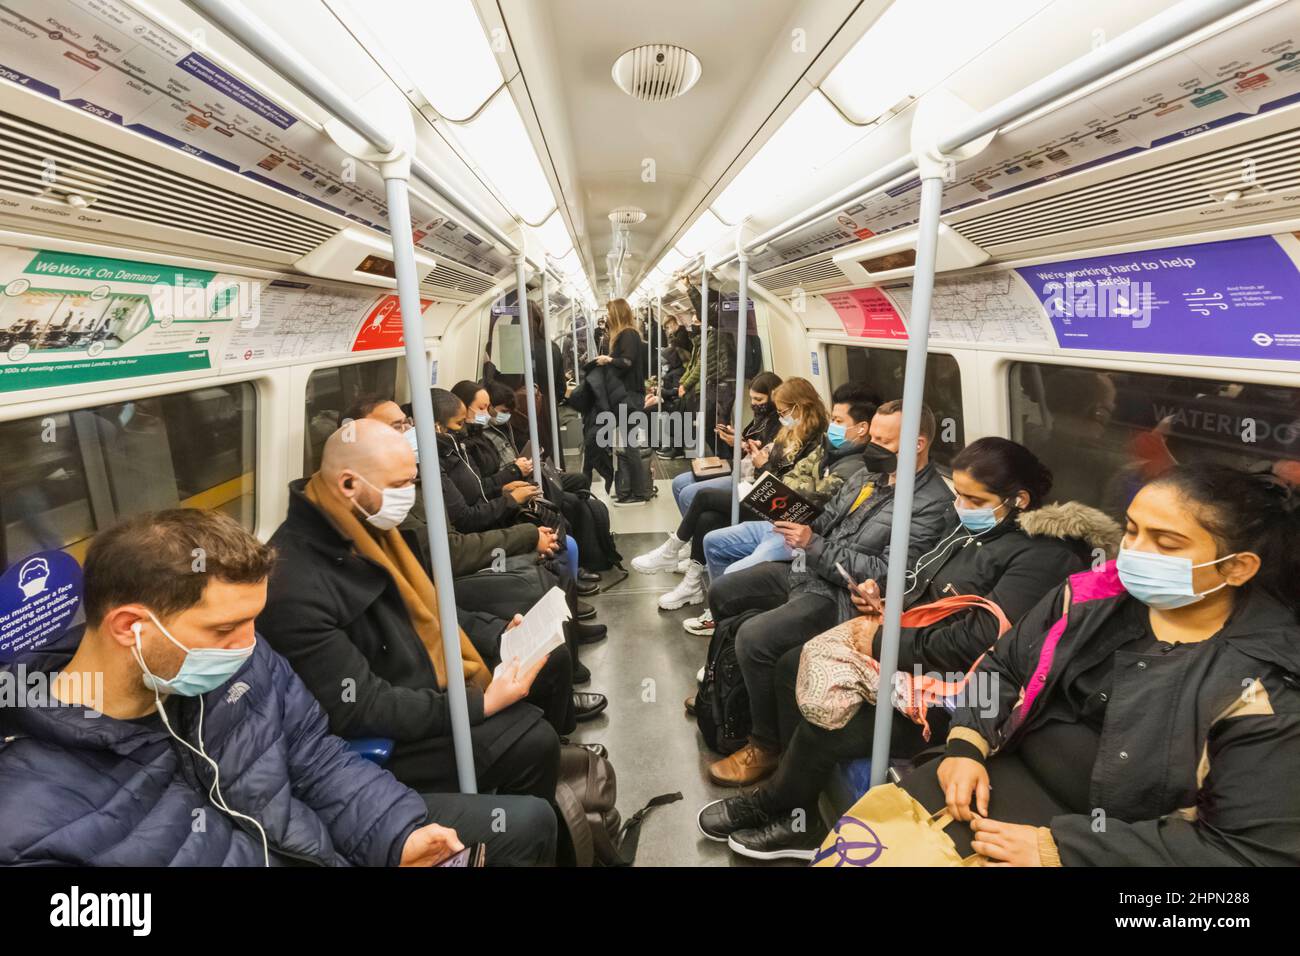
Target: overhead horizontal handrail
{"type": "Point", "coordinates": [1146, 38]}
{"type": "Point", "coordinates": [258, 39]}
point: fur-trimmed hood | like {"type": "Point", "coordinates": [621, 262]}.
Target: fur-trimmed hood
{"type": "Point", "coordinates": [1073, 521]}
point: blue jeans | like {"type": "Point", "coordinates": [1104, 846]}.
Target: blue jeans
{"type": "Point", "coordinates": [742, 546]}
{"type": "Point", "coordinates": [685, 488]}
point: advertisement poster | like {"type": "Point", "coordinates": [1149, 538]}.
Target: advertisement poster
{"type": "Point", "coordinates": [867, 313]}
{"type": "Point", "coordinates": [1239, 299]}
{"type": "Point", "coordinates": [67, 319]}
{"type": "Point", "coordinates": [382, 328]}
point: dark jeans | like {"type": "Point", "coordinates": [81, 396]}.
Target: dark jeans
{"type": "Point", "coordinates": [710, 509]}
{"type": "Point", "coordinates": [787, 621]}
{"type": "Point", "coordinates": [518, 831]}
{"type": "Point", "coordinates": [529, 766]}
{"type": "Point", "coordinates": [810, 753]}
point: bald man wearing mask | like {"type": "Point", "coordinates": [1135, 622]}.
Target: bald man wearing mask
{"type": "Point", "coordinates": [355, 613]}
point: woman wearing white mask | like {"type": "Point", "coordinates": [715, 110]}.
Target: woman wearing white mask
{"type": "Point", "coordinates": [1145, 713]}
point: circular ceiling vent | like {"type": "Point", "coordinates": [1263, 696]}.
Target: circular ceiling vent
{"type": "Point", "coordinates": [627, 216]}
{"type": "Point", "coordinates": [656, 71]}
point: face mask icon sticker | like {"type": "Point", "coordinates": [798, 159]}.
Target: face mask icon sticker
{"type": "Point", "coordinates": [32, 577]}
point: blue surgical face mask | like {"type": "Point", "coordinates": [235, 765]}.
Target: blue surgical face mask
{"type": "Point", "coordinates": [482, 418]}
{"type": "Point", "coordinates": [837, 435]}
{"type": "Point", "coordinates": [204, 669]}
{"type": "Point", "coordinates": [976, 520]}
{"type": "Point", "coordinates": [502, 418]}
{"type": "Point", "coordinates": [1162, 581]}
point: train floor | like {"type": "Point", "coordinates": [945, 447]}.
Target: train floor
{"type": "Point", "coordinates": [647, 666]}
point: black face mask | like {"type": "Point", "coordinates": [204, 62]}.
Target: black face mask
{"type": "Point", "coordinates": [761, 411]}
{"type": "Point", "coordinates": [879, 458]}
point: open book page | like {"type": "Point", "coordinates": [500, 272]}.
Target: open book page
{"type": "Point", "coordinates": [540, 632]}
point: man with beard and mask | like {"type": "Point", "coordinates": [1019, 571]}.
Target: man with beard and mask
{"type": "Point", "coordinates": [356, 614]}
{"type": "Point", "coordinates": [173, 713]}
{"type": "Point", "coordinates": [776, 606]}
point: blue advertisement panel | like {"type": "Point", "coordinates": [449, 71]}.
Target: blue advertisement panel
{"type": "Point", "coordinates": [1238, 299]}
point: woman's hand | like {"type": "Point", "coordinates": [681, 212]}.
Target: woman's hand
{"type": "Point", "coordinates": [509, 686]}
{"type": "Point", "coordinates": [1006, 844]}
{"type": "Point", "coordinates": [524, 492]}
{"type": "Point", "coordinates": [525, 466]}
{"type": "Point", "coordinates": [758, 455]}
{"type": "Point", "coordinates": [603, 360]}
{"type": "Point", "coordinates": [726, 434]}
{"type": "Point", "coordinates": [681, 391]}
{"type": "Point", "coordinates": [961, 779]}
{"type": "Point", "coordinates": [547, 542]}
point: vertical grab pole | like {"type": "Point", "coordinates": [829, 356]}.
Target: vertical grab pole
{"type": "Point", "coordinates": [552, 400]}
{"type": "Point", "coordinates": [573, 328]}
{"type": "Point", "coordinates": [526, 328]}
{"type": "Point", "coordinates": [704, 349]}
{"type": "Point", "coordinates": [417, 371]}
{"type": "Point", "coordinates": [918, 338]}
{"type": "Point", "coordinates": [737, 414]}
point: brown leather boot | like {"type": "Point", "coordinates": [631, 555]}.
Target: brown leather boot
{"type": "Point", "coordinates": [748, 765]}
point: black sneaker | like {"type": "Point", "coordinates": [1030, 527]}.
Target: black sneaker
{"type": "Point", "coordinates": [777, 839]}
{"type": "Point", "coordinates": [721, 818]}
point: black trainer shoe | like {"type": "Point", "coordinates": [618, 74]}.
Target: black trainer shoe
{"type": "Point", "coordinates": [777, 840]}
{"type": "Point", "coordinates": [721, 818]}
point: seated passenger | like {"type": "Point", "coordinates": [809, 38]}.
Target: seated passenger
{"type": "Point", "coordinates": [1155, 721]}
{"type": "Point", "coordinates": [472, 503]}
{"type": "Point", "coordinates": [357, 617]}
{"type": "Point", "coordinates": [476, 438]}
{"type": "Point", "coordinates": [1009, 548]}
{"type": "Point", "coordinates": [779, 606]}
{"type": "Point", "coordinates": [817, 477]}
{"type": "Point", "coordinates": [167, 712]}
{"type": "Point", "coordinates": [802, 417]}
{"type": "Point", "coordinates": [764, 423]}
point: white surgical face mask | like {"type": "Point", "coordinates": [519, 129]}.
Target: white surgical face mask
{"type": "Point", "coordinates": [409, 435]}
{"type": "Point", "coordinates": [396, 506]}
{"type": "Point", "coordinates": [503, 418]}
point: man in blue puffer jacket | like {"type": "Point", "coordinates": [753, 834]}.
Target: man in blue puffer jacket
{"type": "Point", "coordinates": [118, 764]}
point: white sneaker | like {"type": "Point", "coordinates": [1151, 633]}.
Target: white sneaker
{"type": "Point", "coordinates": [701, 626]}
{"type": "Point", "coordinates": [684, 552]}
{"type": "Point", "coordinates": [690, 591]}
{"type": "Point", "coordinates": [662, 558]}
{"type": "Point", "coordinates": [682, 565]}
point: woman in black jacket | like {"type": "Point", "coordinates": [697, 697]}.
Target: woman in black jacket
{"type": "Point", "coordinates": [1008, 548]}
{"type": "Point", "coordinates": [470, 505]}
{"type": "Point", "coordinates": [1157, 694]}
{"type": "Point", "coordinates": [627, 360]}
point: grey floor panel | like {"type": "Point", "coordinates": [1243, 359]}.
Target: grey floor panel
{"type": "Point", "coordinates": [647, 666]}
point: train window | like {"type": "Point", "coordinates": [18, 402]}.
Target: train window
{"type": "Point", "coordinates": [65, 476]}
{"type": "Point", "coordinates": [330, 391]}
{"type": "Point", "coordinates": [882, 371]}
{"type": "Point", "coordinates": [1103, 433]}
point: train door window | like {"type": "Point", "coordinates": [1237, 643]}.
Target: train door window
{"type": "Point", "coordinates": [1103, 433]}
{"type": "Point", "coordinates": [331, 392]}
{"type": "Point", "coordinates": [65, 476]}
{"type": "Point", "coordinates": [881, 370]}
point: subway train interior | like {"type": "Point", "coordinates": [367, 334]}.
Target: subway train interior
{"type": "Point", "coordinates": [1013, 429]}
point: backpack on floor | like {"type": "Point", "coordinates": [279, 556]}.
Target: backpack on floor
{"type": "Point", "coordinates": [722, 702]}
{"type": "Point", "coordinates": [587, 794]}
{"type": "Point", "coordinates": [590, 528]}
